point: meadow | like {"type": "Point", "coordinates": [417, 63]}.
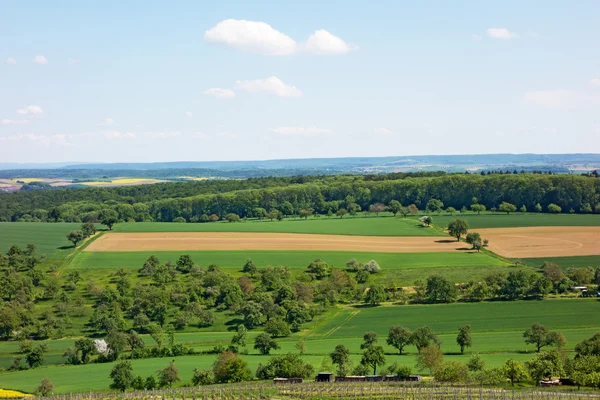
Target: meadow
{"type": "Point", "coordinates": [49, 239]}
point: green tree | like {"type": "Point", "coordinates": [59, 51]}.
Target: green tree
{"type": "Point", "coordinates": [184, 263]}
{"type": "Point", "coordinates": [430, 357]}
{"type": "Point", "coordinates": [122, 376]}
{"type": "Point", "coordinates": [229, 367]}
{"type": "Point", "coordinates": [45, 387]}
{"type": "Point", "coordinates": [75, 237]}
{"type": "Point", "coordinates": [478, 208]}
{"type": "Point", "coordinates": [507, 207]}
{"type": "Point", "coordinates": [375, 295]}
{"type": "Point", "coordinates": [340, 356]}
{"type": "Point", "coordinates": [399, 337]}
{"type": "Point", "coordinates": [523, 209]}
{"type": "Point", "coordinates": [341, 212]}
{"type": "Point", "coordinates": [451, 372]}
{"type": "Point", "coordinates": [168, 376]}
{"type": "Point", "coordinates": [231, 217]}
{"type": "Point", "coordinates": [301, 346]}
{"type": "Point", "coordinates": [538, 208]}
{"type": "Point", "coordinates": [546, 364]}
{"type": "Point", "coordinates": [319, 269]}
{"type": "Point", "coordinates": [434, 205]}
{"type": "Point", "coordinates": [86, 347]}
{"type": "Point", "coordinates": [473, 237]}
{"type": "Point", "coordinates": [457, 228]}
{"type": "Point", "coordinates": [108, 217]}
{"type": "Point", "coordinates": [394, 207]}
{"type": "Point", "coordinates": [476, 363]}
{"type": "Point", "coordinates": [35, 358]}
{"type": "Point", "coordinates": [264, 343]}
{"type": "Point", "coordinates": [284, 366]}
{"type": "Point", "coordinates": [540, 336]}
{"type": "Point", "coordinates": [464, 339]}
{"type": "Point", "coordinates": [249, 268]}
{"type": "Point", "coordinates": [88, 229]}
{"type": "Point", "coordinates": [202, 377]}
{"type": "Point", "coordinates": [373, 356]}
{"type": "Point", "coordinates": [277, 328]}
{"type": "Point", "coordinates": [554, 208]}
{"type": "Point", "coordinates": [241, 337]}
{"type": "Point", "coordinates": [440, 289]}
{"type": "Point", "coordinates": [423, 337]}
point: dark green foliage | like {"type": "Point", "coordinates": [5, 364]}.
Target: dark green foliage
{"type": "Point", "coordinates": [264, 343]}
{"type": "Point", "coordinates": [284, 366]}
{"type": "Point", "coordinates": [122, 376]}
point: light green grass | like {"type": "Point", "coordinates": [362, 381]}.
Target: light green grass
{"type": "Point", "coordinates": [483, 317]}
{"type": "Point", "coordinates": [49, 238]}
{"type": "Point", "coordinates": [565, 262]}
{"type": "Point", "coordinates": [497, 220]}
{"type": "Point", "coordinates": [292, 259]}
{"type": "Point", "coordinates": [359, 225]}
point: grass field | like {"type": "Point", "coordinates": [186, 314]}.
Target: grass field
{"type": "Point", "coordinates": [372, 226]}
{"type": "Point", "coordinates": [497, 220]}
{"type": "Point", "coordinates": [565, 262]}
{"type": "Point", "coordinates": [50, 239]}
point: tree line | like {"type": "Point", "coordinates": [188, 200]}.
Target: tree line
{"type": "Point", "coordinates": [253, 198]}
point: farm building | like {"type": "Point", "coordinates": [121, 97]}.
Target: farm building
{"type": "Point", "coordinates": [324, 377]}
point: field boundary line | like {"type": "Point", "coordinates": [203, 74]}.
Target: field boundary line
{"type": "Point", "coordinates": [67, 262]}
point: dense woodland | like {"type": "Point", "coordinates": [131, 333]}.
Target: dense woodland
{"type": "Point", "coordinates": [290, 195]}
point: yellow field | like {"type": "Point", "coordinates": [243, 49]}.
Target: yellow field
{"type": "Point", "coordinates": [122, 181]}
{"type": "Point", "coordinates": [5, 394]}
{"type": "Point", "coordinates": [193, 178]}
{"type": "Point", "coordinates": [28, 180]}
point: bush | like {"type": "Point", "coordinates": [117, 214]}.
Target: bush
{"type": "Point", "coordinates": [372, 267]}
{"type": "Point", "coordinates": [202, 377]}
{"type": "Point", "coordinates": [206, 318]}
{"type": "Point", "coordinates": [284, 366]}
{"type": "Point", "coordinates": [451, 372]}
{"type": "Point", "coordinates": [179, 220]}
{"type": "Point", "coordinates": [277, 328]}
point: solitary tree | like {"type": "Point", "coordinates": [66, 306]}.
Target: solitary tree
{"type": "Point", "coordinates": [108, 217]}
{"type": "Point", "coordinates": [464, 337]}
{"type": "Point", "coordinates": [423, 337]}
{"type": "Point", "coordinates": [507, 207]}
{"type": "Point", "coordinates": [430, 358]}
{"type": "Point", "coordinates": [373, 356]}
{"type": "Point", "coordinates": [45, 387]}
{"type": "Point", "coordinates": [341, 212]}
{"type": "Point", "coordinates": [169, 375]}
{"type": "Point", "coordinates": [264, 343]}
{"type": "Point", "coordinates": [88, 229]}
{"type": "Point", "coordinates": [539, 336]}
{"type": "Point", "coordinates": [340, 357]}
{"type": "Point", "coordinates": [229, 367]}
{"type": "Point", "coordinates": [75, 237]}
{"type": "Point", "coordinates": [457, 228]}
{"type": "Point", "coordinates": [394, 207]}
{"type": "Point", "coordinates": [554, 208]}
{"type": "Point", "coordinates": [478, 208]}
{"type": "Point", "coordinates": [514, 370]}
{"type": "Point", "coordinates": [399, 337]}
{"type": "Point", "coordinates": [122, 376]}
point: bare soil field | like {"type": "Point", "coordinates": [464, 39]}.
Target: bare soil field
{"type": "Point", "coordinates": [543, 241]}
{"type": "Point", "coordinates": [157, 241]}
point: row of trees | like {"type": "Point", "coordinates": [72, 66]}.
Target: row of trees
{"type": "Point", "coordinates": [322, 195]}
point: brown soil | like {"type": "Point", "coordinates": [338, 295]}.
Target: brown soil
{"type": "Point", "coordinates": [546, 241]}
{"type": "Point", "coordinates": [117, 241]}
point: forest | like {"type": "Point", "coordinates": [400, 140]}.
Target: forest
{"type": "Point", "coordinates": [320, 195]}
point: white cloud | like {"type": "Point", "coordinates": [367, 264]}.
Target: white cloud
{"type": "Point", "coordinates": [323, 42]}
{"type": "Point", "coordinates": [13, 121]}
{"type": "Point", "coordinates": [40, 60]}
{"type": "Point", "coordinates": [501, 33]}
{"type": "Point", "coordinates": [162, 134]}
{"type": "Point", "coordinates": [107, 122]}
{"type": "Point", "coordinates": [73, 60]}
{"type": "Point", "coordinates": [119, 135]}
{"type": "Point", "coordinates": [32, 110]}
{"type": "Point", "coordinates": [560, 99]}
{"type": "Point", "coordinates": [220, 93]}
{"type": "Point", "coordinates": [383, 131]}
{"type": "Point", "coordinates": [595, 82]}
{"type": "Point", "coordinates": [300, 131]}
{"type": "Point", "coordinates": [272, 85]}
{"type": "Point", "coordinates": [11, 61]}
{"type": "Point", "coordinates": [188, 114]}
{"type": "Point", "coordinates": [229, 135]}
{"type": "Point", "coordinates": [251, 36]}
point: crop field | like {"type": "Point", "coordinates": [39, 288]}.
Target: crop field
{"type": "Point", "coordinates": [50, 239]}
{"type": "Point", "coordinates": [565, 262]}
{"type": "Point", "coordinates": [515, 220]}
{"type": "Point", "coordinates": [359, 225]}
{"type": "Point", "coordinates": [123, 182]}
{"type": "Point", "coordinates": [544, 241]}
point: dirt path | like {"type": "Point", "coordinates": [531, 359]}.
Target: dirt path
{"type": "Point", "coordinates": [159, 241]}
{"type": "Point", "coordinates": [546, 241]}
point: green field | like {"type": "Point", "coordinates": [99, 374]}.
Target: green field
{"type": "Point", "coordinates": [359, 225]}
{"type": "Point", "coordinates": [497, 220]}
{"type": "Point", "coordinates": [50, 239]}
{"type": "Point", "coordinates": [497, 336]}
{"type": "Point", "coordinates": [565, 262]}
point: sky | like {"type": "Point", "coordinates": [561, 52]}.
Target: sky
{"type": "Point", "coordinates": [144, 81]}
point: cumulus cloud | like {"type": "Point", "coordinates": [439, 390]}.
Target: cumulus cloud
{"type": "Point", "coordinates": [323, 42]}
{"type": "Point", "coordinates": [272, 85]}
{"type": "Point", "coordinates": [595, 82]}
{"type": "Point", "coordinates": [300, 131]}
{"type": "Point", "coordinates": [32, 110]}
{"type": "Point", "coordinates": [107, 122]}
{"type": "Point", "coordinates": [501, 33]}
{"type": "Point", "coordinates": [220, 93]}
{"type": "Point", "coordinates": [13, 121]}
{"type": "Point", "coordinates": [119, 135]}
{"type": "Point", "coordinates": [383, 131]}
{"type": "Point", "coordinates": [560, 99]}
{"type": "Point", "coordinates": [40, 60]}
{"type": "Point", "coordinates": [261, 38]}
{"type": "Point", "coordinates": [11, 61]}
{"type": "Point", "coordinates": [251, 36]}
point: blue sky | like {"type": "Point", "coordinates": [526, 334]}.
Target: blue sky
{"type": "Point", "coordinates": [144, 81]}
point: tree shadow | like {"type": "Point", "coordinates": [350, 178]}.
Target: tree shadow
{"type": "Point", "coordinates": [66, 247]}
{"type": "Point", "coordinates": [445, 241]}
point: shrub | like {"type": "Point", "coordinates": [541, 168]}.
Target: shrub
{"type": "Point", "coordinates": [372, 267]}
{"type": "Point", "coordinates": [179, 220]}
